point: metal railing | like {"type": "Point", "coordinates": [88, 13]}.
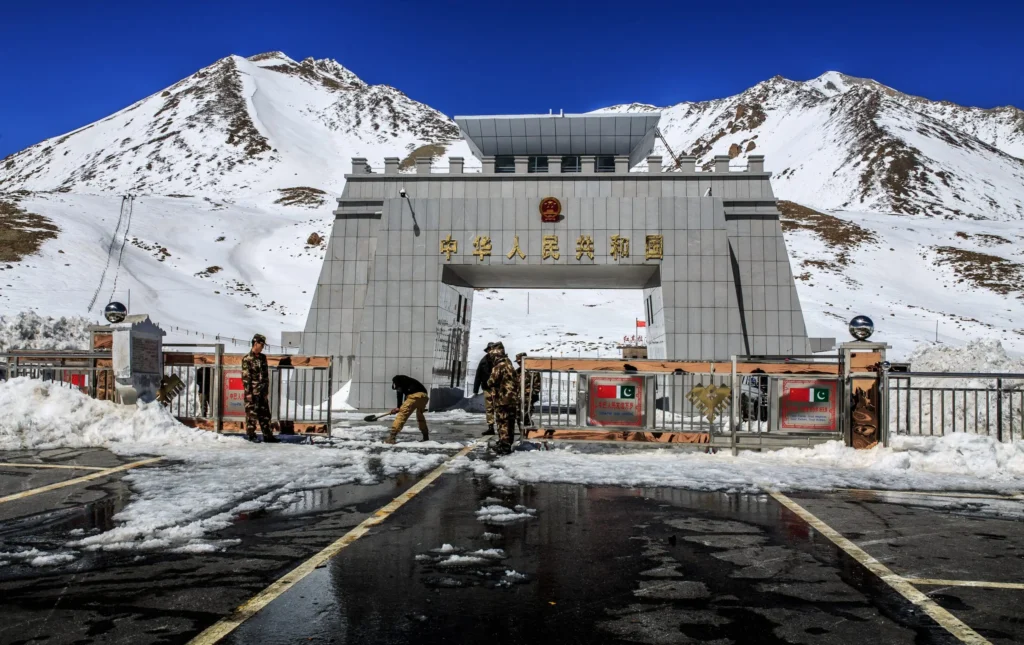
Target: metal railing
{"type": "Point", "coordinates": [675, 407]}
{"type": "Point", "coordinates": [80, 370]}
{"type": "Point", "coordinates": [940, 403]}
{"type": "Point", "coordinates": [557, 402]}
{"type": "Point", "coordinates": [299, 394]}
{"type": "Point", "coordinates": [733, 405]}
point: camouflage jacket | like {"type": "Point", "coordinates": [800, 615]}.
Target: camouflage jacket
{"type": "Point", "coordinates": [503, 384]}
{"type": "Point", "coordinates": [532, 381]}
{"type": "Point", "coordinates": [255, 375]}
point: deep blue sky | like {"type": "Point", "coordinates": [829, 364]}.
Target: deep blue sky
{"type": "Point", "coordinates": [67, 64]}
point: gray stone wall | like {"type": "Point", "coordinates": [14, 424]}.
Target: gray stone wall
{"type": "Point", "coordinates": [389, 301]}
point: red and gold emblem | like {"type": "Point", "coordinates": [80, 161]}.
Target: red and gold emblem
{"type": "Point", "coordinates": [550, 209]}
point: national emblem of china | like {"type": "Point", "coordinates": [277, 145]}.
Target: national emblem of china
{"type": "Point", "coordinates": [550, 209]}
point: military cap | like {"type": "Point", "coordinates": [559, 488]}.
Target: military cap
{"type": "Point", "coordinates": [259, 338]}
{"type": "Point", "coordinates": [519, 357]}
{"type": "Point", "coordinates": [490, 345]}
{"type": "Point", "coordinates": [498, 345]}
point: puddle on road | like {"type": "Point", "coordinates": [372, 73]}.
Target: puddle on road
{"type": "Point", "coordinates": [93, 517]}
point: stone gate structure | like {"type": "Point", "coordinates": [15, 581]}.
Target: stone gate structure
{"type": "Point", "coordinates": [557, 205]}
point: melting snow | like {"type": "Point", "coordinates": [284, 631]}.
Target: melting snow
{"type": "Point", "coordinates": [207, 481]}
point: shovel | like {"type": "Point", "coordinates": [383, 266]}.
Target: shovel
{"type": "Point", "coordinates": [376, 417]}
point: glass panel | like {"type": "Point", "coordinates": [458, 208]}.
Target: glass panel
{"type": "Point", "coordinates": [571, 163]}
{"type": "Point", "coordinates": [605, 163]}
{"type": "Point", "coordinates": [538, 164]}
{"type": "Point", "coordinates": [506, 164]}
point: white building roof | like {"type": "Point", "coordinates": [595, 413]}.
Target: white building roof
{"type": "Point", "coordinates": [557, 134]}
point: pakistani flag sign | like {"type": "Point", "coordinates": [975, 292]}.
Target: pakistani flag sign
{"type": "Point", "coordinates": [808, 405]}
{"type": "Point", "coordinates": [615, 401]}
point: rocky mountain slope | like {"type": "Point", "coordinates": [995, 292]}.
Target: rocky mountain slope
{"type": "Point", "coordinates": [838, 142]}
{"type": "Point", "coordinates": [236, 128]}
{"type": "Point", "coordinates": [237, 165]}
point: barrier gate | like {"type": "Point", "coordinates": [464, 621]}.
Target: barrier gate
{"type": "Point", "coordinates": [751, 402]}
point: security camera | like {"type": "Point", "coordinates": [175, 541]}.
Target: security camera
{"type": "Point", "coordinates": [401, 192]}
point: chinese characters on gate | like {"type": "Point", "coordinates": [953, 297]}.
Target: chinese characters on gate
{"type": "Point", "coordinates": [618, 247]}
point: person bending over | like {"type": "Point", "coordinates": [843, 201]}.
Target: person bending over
{"type": "Point", "coordinates": [411, 396]}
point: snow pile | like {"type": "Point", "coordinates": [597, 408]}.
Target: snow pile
{"type": "Point", "coordinates": [176, 507]}
{"type": "Point", "coordinates": [340, 399]}
{"type": "Point", "coordinates": [461, 561]}
{"type": "Point", "coordinates": [35, 558]}
{"type": "Point", "coordinates": [42, 414]}
{"type": "Point", "coordinates": [496, 514]}
{"type": "Point", "coordinates": [979, 355]}
{"type": "Point", "coordinates": [959, 404]}
{"type": "Point", "coordinates": [482, 468]}
{"type": "Point", "coordinates": [29, 330]}
{"type": "Point", "coordinates": [962, 462]}
{"type": "Point", "coordinates": [207, 480]}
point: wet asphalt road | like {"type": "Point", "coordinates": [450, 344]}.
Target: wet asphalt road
{"type": "Point", "coordinates": [592, 565]}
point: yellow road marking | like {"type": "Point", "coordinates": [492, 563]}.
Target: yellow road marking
{"type": "Point", "coordinates": [929, 493]}
{"type": "Point", "coordinates": [249, 608]}
{"type": "Point", "coordinates": [11, 464]}
{"type": "Point", "coordinates": [948, 621]}
{"type": "Point", "coordinates": [78, 480]}
{"type": "Point", "coordinates": [964, 583]}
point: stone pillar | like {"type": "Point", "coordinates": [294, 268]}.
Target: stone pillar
{"type": "Point", "coordinates": [137, 358]}
{"type": "Point", "coordinates": [522, 165]}
{"type": "Point", "coordinates": [721, 163]}
{"type": "Point", "coordinates": [621, 164]}
{"type": "Point", "coordinates": [587, 163]}
{"type": "Point", "coordinates": [688, 164]}
{"type": "Point", "coordinates": [654, 164]}
{"type": "Point", "coordinates": [755, 163]}
{"type": "Point", "coordinates": [423, 165]}
{"type": "Point", "coordinates": [391, 165]}
{"type": "Point", "coordinates": [455, 165]}
{"type": "Point", "coordinates": [554, 165]}
{"type": "Point", "coordinates": [359, 166]}
{"type": "Point", "coordinates": [488, 166]}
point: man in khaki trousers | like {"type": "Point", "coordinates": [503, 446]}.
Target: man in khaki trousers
{"type": "Point", "coordinates": [411, 396]}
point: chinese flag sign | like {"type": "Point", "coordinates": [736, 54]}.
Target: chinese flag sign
{"type": "Point", "coordinates": [641, 323]}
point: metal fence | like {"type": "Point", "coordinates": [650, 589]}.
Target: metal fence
{"type": "Point", "coordinates": [939, 403]}
{"type": "Point", "coordinates": [299, 393]}
{"type": "Point", "coordinates": [89, 372]}
{"type": "Point", "coordinates": [728, 404]}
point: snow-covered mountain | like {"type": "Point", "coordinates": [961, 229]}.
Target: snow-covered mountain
{"type": "Point", "coordinates": [235, 167]}
{"type": "Point", "coordinates": [838, 142]}
{"type": "Point", "coordinates": [236, 128]}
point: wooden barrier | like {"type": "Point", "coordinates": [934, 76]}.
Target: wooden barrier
{"type": "Point", "coordinates": [315, 429]}
{"type": "Point", "coordinates": [622, 435]}
{"type": "Point", "coordinates": [234, 360]}
{"type": "Point", "coordinates": [667, 367]}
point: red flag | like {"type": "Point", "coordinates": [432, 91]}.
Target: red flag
{"type": "Point", "coordinates": [607, 392]}
{"type": "Point", "coordinates": [235, 384]}
{"type": "Point", "coordinates": [641, 323]}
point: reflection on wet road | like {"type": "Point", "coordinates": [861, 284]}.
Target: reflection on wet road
{"type": "Point", "coordinates": [589, 565]}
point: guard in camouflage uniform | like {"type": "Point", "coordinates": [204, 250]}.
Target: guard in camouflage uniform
{"type": "Point", "coordinates": [505, 392]}
{"type": "Point", "coordinates": [256, 380]}
{"type": "Point", "coordinates": [483, 372]}
{"type": "Point", "coordinates": [532, 387]}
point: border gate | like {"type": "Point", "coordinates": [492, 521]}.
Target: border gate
{"type": "Point", "coordinates": [752, 402]}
